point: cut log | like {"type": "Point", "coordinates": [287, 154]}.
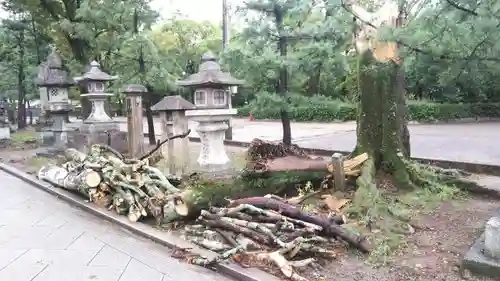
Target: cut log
{"type": "Point", "coordinates": [176, 209]}
{"type": "Point", "coordinates": [91, 178]}
{"type": "Point", "coordinates": [75, 180]}
{"type": "Point", "coordinates": [330, 228]}
{"type": "Point", "coordinates": [82, 180]}
{"type": "Point", "coordinates": [53, 174]}
{"type": "Point", "coordinates": [72, 154]}
{"type": "Point", "coordinates": [295, 163]}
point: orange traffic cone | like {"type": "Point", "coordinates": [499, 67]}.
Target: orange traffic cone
{"type": "Point", "coordinates": [250, 118]}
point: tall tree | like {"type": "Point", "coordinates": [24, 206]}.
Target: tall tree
{"type": "Point", "coordinates": [382, 130]}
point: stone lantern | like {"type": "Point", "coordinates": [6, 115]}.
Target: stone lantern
{"type": "Point", "coordinates": [174, 122]}
{"type": "Point", "coordinates": [95, 81]}
{"type": "Point", "coordinates": [56, 82]}
{"type": "Point", "coordinates": [212, 98]}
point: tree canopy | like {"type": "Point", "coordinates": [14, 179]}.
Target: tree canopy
{"type": "Point", "coordinates": [450, 48]}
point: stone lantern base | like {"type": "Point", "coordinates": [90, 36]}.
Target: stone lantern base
{"type": "Point", "coordinates": [57, 137]}
{"type": "Point", "coordinates": [211, 129]}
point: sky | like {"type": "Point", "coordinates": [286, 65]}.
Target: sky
{"type": "Point", "coordinates": [198, 10]}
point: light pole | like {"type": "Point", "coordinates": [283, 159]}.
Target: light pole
{"type": "Point", "coordinates": [225, 40]}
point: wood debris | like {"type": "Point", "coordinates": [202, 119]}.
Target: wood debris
{"type": "Point", "coordinates": [270, 230]}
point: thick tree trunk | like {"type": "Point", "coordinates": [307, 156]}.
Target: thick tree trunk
{"type": "Point", "coordinates": [382, 130]}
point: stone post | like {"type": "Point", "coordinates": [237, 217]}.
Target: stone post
{"type": "Point", "coordinates": [135, 124]}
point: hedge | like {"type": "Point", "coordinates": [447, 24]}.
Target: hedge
{"type": "Point", "coordinates": [340, 111]}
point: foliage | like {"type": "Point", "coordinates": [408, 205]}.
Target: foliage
{"type": "Point", "coordinates": [440, 66]}
{"type": "Point", "coordinates": [324, 109]}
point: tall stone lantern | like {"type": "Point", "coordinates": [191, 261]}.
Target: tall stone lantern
{"type": "Point", "coordinates": [95, 81]}
{"type": "Point", "coordinates": [212, 98]}
{"type": "Point", "coordinates": [56, 81]}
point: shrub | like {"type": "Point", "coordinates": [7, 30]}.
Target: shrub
{"type": "Point", "coordinates": [323, 109]}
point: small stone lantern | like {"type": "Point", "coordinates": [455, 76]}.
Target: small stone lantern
{"type": "Point", "coordinates": [95, 81]}
{"type": "Point", "coordinates": [212, 98]}
{"type": "Point", "coordinates": [56, 81]}
{"type": "Point", "coordinates": [174, 122]}
{"type": "Point", "coordinates": [4, 120]}
{"type": "Point", "coordinates": [135, 123]}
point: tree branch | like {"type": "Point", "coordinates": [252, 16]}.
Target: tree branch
{"type": "Point", "coordinates": [463, 9]}
{"type": "Point", "coordinates": [469, 57]}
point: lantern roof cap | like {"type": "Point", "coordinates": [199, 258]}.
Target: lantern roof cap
{"type": "Point", "coordinates": [52, 73]}
{"type": "Point", "coordinates": [96, 74]}
{"type": "Point", "coordinates": [210, 74]}
{"type": "Point", "coordinates": [173, 103]}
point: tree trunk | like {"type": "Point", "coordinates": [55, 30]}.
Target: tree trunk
{"type": "Point", "coordinates": [21, 90]}
{"type": "Point", "coordinates": [382, 130]}
{"type": "Point", "coordinates": [149, 115]}
{"type": "Point", "coordinates": [313, 82]}
{"type": "Point", "coordinates": [282, 85]}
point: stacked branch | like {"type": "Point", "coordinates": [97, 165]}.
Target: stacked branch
{"type": "Point", "coordinates": [271, 230]}
{"type": "Point", "coordinates": [130, 187]}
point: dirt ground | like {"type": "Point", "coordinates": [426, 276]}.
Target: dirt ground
{"type": "Point", "coordinates": [434, 251]}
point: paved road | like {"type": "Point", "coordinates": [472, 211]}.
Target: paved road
{"type": "Point", "coordinates": [466, 142]}
{"type": "Point", "coordinates": [44, 239]}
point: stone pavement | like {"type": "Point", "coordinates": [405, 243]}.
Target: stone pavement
{"type": "Point", "coordinates": [463, 142]}
{"type": "Point", "coordinates": [44, 239]}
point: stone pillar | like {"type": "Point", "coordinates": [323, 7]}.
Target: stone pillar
{"type": "Point", "coordinates": [179, 148]}
{"type": "Point", "coordinates": [60, 131]}
{"type": "Point", "coordinates": [167, 130]}
{"type": "Point", "coordinates": [213, 152]}
{"type": "Point", "coordinates": [135, 123]}
{"type": "Point", "coordinates": [176, 151]}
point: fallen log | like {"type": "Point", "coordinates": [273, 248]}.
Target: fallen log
{"type": "Point", "coordinates": [69, 180]}
{"type": "Point", "coordinates": [296, 163]}
{"type": "Point", "coordinates": [330, 228]}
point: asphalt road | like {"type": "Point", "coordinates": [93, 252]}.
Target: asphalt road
{"type": "Point", "coordinates": [465, 142]}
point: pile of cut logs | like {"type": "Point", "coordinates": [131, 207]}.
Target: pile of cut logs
{"type": "Point", "coordinates": [131, 187]}
{"type": "Point", "coordinates": [271, 230]}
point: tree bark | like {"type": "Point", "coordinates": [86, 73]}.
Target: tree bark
{"type": "Point", "coordinates": [282, 83]}
{"type": "Point", "coordinates": [382, 130]}
{"type": "Point", "coordinates": [21, 89]}
{"type": "Point", "coordinates": [149, 115]}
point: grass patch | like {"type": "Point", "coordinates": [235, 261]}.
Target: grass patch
{"type": "Point", "coordinates": [24, 136]}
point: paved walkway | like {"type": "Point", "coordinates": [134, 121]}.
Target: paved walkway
{"type": "Point", "coordinates": [465, 142]}
{"type": "Point", "coordinates": [44, 239]}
